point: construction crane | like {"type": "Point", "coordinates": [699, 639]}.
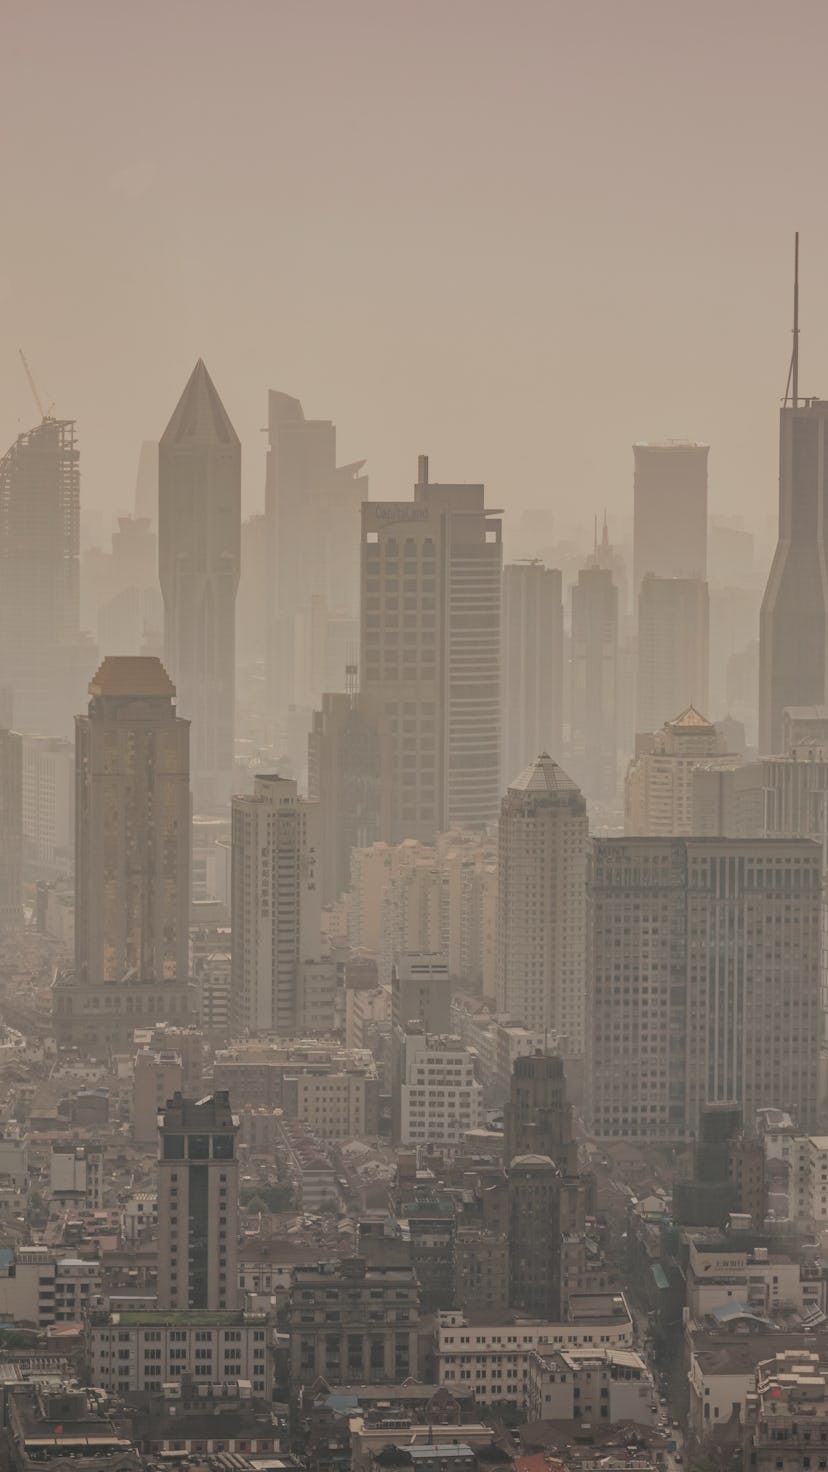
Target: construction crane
{"type": "Point", "coordinates": [44, 413]}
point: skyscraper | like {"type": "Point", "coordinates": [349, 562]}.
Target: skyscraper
{"type": "Point", "coordinates": [199, 537]}
{"type": "Point", "coordinates": [794, 618]}
{"type": "Point", "coordinates": [542, 842]}
{"type": "Point", "coordinates": [658, 788]}
{"type": "Point", "coordinates": [793, 625]}
{"type": "Point", "coordinates": [312, 528]}
{"type": "Point", "coordinates": [539, 1117]}
{"type": "Point", "coordinates": [132, 813]}
{"type": "Point", "coordinates": [430, 662]}
{"type": "Point", "coordinates": [344, 764]}
{"type": "Point", "coordinates": [703, 981]}
{"type": "Point", "coordinates": [198, 1204]}
{"type": "Point", "coordinates": [132, 860]}
{"type": "Point", "coordinates": [532, 664]}
{"type": "Point", "coordinates": [593, 742]}
{"type": "Point", "coordinates": [670, 511]}
{"type": "Point", "coordinates": [39, 575]}
{"type": "Point", "coordinates": [275, 904]}
{"type": "Point", "coordinates": [11, 829]}
{"type": "Point", "coordinates": [673, 649]}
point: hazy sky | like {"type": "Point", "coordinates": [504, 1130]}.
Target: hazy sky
{"type": "Point", "coordinates": [515, 235]}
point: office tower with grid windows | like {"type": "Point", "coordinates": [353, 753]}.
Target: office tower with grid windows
{"type": "Point", "coordinates": [532, 664]}
{"type": "Point", "coordinates": [673, 649]}
{"type": "Point", "coordinates": [430, 660]}
{"type": "Point", "coordinates": [542, 843]}
{"type": "Point", "coordinates": [275, 904]}
{"type": "Point", "coordinates": [703, 982]}
{"type": "Point", "coordinates": [670, 511]}
{"type": "Point", "coordinates": [593, 736]}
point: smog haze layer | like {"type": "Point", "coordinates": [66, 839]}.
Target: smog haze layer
{"type": "Point", "coordinates": [518, 236]}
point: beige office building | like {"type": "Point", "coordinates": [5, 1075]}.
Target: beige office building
{"type": "Point", "coordinates": [132, 880]}
{"type": "Point", "coordinates": [532, 664]}
{"type": "Point", "coordinates": [430, 656]}
{"type": "Point", "coordinates": [658, 791]}
{"type": "Point", "coordinates": [543, 838]}
{"type": "Point", "coordinates": [673, 649]}
{"type": "Point", "coordinates": [703, 981]}
{"type": "Point", "coordinates": [275, 904]}
{"type": "Point", "coordinates": [670, 511]}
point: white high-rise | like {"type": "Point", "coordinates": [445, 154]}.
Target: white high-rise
{"type": "Point", "coordinates": [430, 655]}
{"type": "Point", "coordinates": [541, 939]}
{"type": "Point", "coordinates": [275, 903]}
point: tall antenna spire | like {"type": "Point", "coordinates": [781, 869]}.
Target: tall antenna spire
{"type": "Point", "coordinates": [795, 359]}
{"type": "Point", "coordinates": [792, 386]}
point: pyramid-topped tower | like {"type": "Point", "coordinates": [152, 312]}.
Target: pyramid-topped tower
{"type": "Point", "coordinates": [199, 537]}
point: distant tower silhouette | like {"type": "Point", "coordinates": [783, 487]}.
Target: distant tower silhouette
{"type": "Point", "coordinates": [199, 539]}
{"type": "Point", "coordinates": [793, 647]}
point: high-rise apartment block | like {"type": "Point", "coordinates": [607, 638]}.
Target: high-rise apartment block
{"type": "Point", "coordinates": [703, 976]}
{"type": "Point", "coordinates": [199, 539]}
{"type": "Point", "coordinates": [430, 661]}
{"type": "Point", "coordinates": [593, 738]}
{"type": "Point", "coordinates": [132, 858]}
{"type": "Point", "coordinates": [41, 653]}
{"type": "Point", "coordinates": [532, 664]}
{"type": "Point", "coordinates": [670, 511]}
{"type": "Point", "coordinates": [673, 649]}
{"type": "Point", "coordinates": [542, 840]}
{"type": "Point", "coordinates": [275, 904]}
{"type": "Point", "coordinates": [312, 510]}
{"type": "Point", "coordinates": [198, 1203]}
{"type": "Point", "coordinates": [658, 790]}
{"type": "Point", "coordinates": [11, 829]}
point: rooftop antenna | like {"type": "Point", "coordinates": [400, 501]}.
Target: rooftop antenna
{"type": "Point", "coordinates": [792, 386]}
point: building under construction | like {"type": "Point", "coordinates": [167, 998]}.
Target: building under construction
{"type": "Point", "coordinates": [41, 654]}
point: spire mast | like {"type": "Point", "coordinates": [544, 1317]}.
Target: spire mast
{"type": "Point", "coordinates": [795, 360]}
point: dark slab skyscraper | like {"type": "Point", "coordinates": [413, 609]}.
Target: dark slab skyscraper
{"type": "Point", "coordinates": [793, 647]}
{"type": "Point", "coordinates": [199, 538]}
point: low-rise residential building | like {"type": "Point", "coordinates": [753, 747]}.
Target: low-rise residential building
{"type": "Point", "coordinates": [341, 1104]}
{"type": "Point", "coordinates": [720, 1274]}
{"type": "Point", "coordinates": [370, 1435]}
{"type": "Point", "coordinates": [76, 1175]}
{"type": "Point", "coordinates": [440, 1098]}
{"type": "Point", "coordinates": [43, 1286]}
{"type": "Point", "coordinates": [65, 1426]}
{"type": "Point", "coordinates": [147, 1349]}
{"type": "Point", "coordinates": [492, 1358]}
{"type": "Point", "coordinates": [786, 1413]}
{"type": "Point", "coordinates": [590, 1385]}
{"type": "Point", "coordinates": [140, 1215]}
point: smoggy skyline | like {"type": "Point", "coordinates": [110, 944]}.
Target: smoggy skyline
{"type": "Point", "coordinates": [516, 237]}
